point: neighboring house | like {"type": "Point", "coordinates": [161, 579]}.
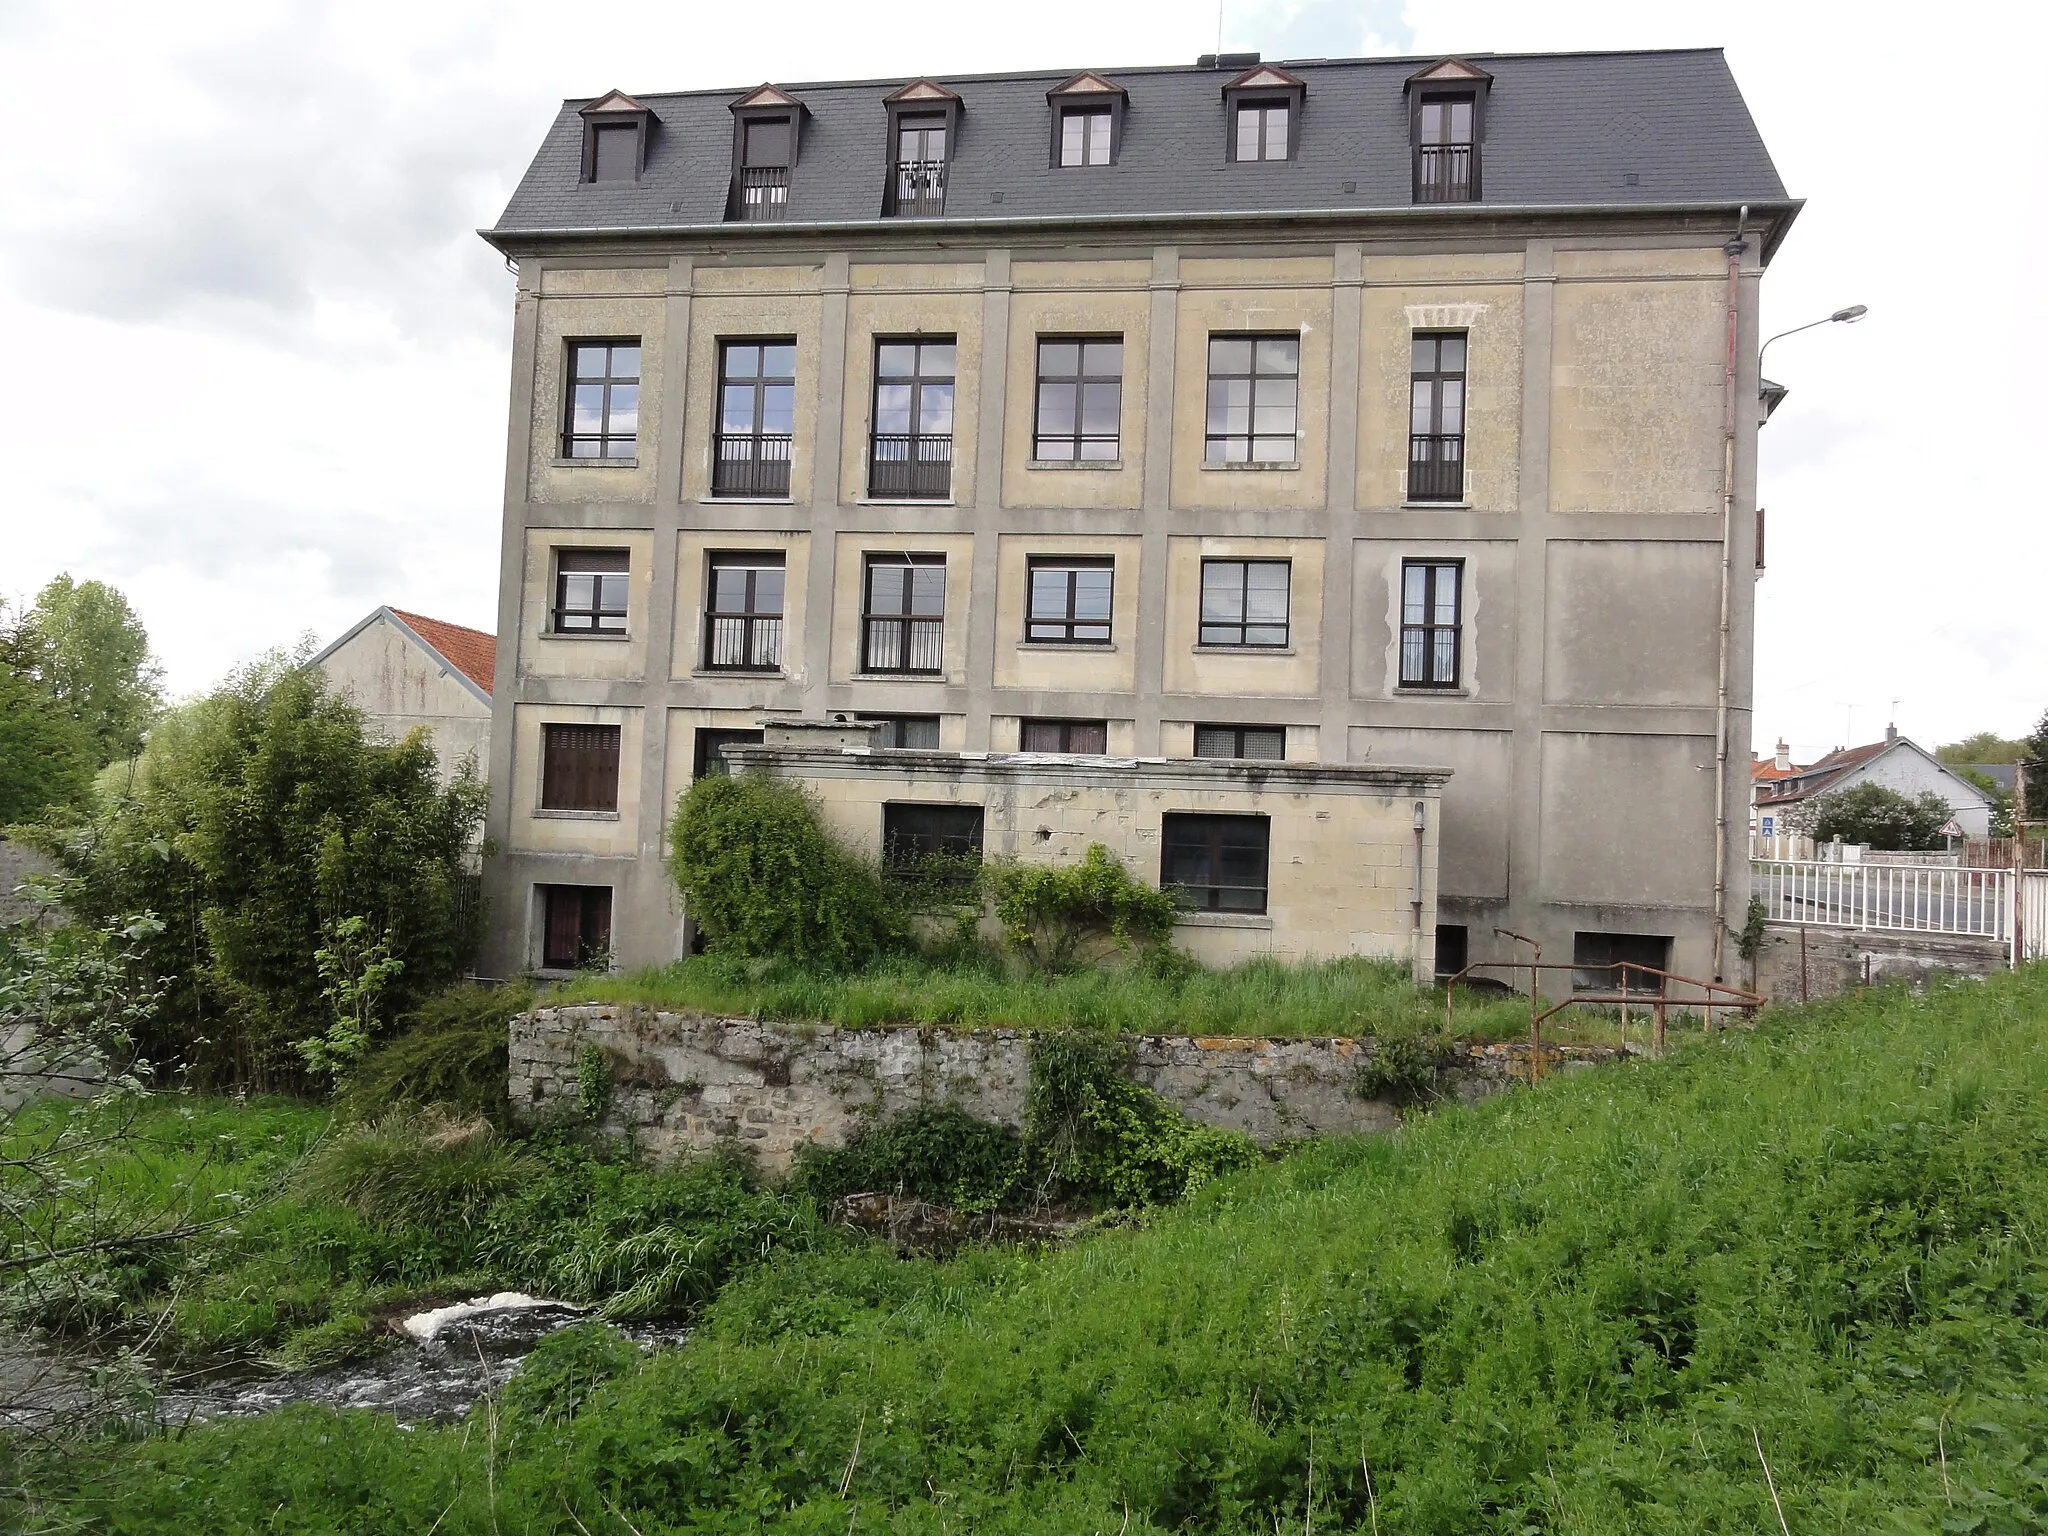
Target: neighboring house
{"type": "Point", "coordinates": [1341, 412]}
{"type": "Point", "coordinates": [1895, 763]}
{"type": "Point", "coordinates": [405, 669]}
{"type": "Point", "coordinates": [1762, 775]}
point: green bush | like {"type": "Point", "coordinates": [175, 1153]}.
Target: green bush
{"type": "Point", "coordinates": [1049, 911]}
{"type": "Point", "coordinates": [1870, 813]}
{"type": "Point", "coordinates": [765, 879]}
{"type": "Point", "coordinates": [1404, 1067]}
{"type": "Point", "coordinates": [452, 1054]}
{"type": "Point", "coordinates": [938, 1153]}
{"type": "Point", "coordinates": [416, 1168]}
{"type": "Point", "coordinates": [554, 1382]}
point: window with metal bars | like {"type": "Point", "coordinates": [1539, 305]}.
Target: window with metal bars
{"type": "Point", "coordinates": [579, 768]}
{"type": "Point", "coordinates": [1070, 601]}
{"type": "Point", "coordinates": [743, 613]}
{"type": "Point", "coordinates": [1215, 863]}
{"type": "Point", "coordinates": [1080, 398]}
{"type": "Point", "coordinates": [1244, 602]}
{"type": "Point", "coordinates": [913, 832]}
{"type": "Point", "coordinates": [919, 188]}
{"type": "Point", "coordinates": [1254, 391]}
{"type": "Point", "coordinates": [1429, 623]}
{"type": "Point", "coordinates": [903, 613]}
{"type": "Point", "coordinates": [1087, 738]}
{"type": "Point", "coordinates": [756, 418]}
{"type": "Point", "coordinates": [603, 419]}
{"type": "Point", "coordinates": [910, 451]}
{"type": "Point", "coordinates": [906, 733]}
{"type": "Point", "coordinates": [576, 926]}
{"type": "Point", "coordinates": [1265, 742]}
{"type": "Point", "coordinates": [1446, 158]}
{"type": "Point", "coordinates": [1436, 417]}
{"type": "Point", "coordinates": [1262, 131]}
{"type": "Point", "coordinates": [590, 591]}
{"type": "Point", "coordinates": [1085, 135]}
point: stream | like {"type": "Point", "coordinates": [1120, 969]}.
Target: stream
{"type": "Point", "coordinates": [436, 1369]}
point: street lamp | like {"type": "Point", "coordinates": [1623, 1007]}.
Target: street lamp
{"type": "Point", "coordinates": [1847, 316]}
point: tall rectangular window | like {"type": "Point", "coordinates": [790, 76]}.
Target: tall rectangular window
{"type": "Point", "coordinates": [1086, 738]}
{"type": "Point", "coordinates": [910, 453]}
{"type": "Point", "coordinates": [764, 167]}
{"type": "Point", "coordinates": [1084, 136]}
{"type": "Point", "coordinates": [903, 613]}
{"type": "Point", "coordinates": [1265, 742]}
{"type": "Point", "coordinates": [906, 733]}
{"type": "Point", "coordinates": [1429, 623]}
{"type": "Point", "coordinates": [579, 768]}
{"type": "Point", "coordinates": [920, 187]}
{"type": "Point", "coordinates": [1254, 392]}
{"type": "Point", "coordinates": [1080, 398]}
{"type": "Point", "coordinates": [709, 749]}
{"type": "Point", "coordinates": [743, 613]}
{"type": "Point", "coordinates": [1070, 601]}
{"type": "Point", "coordinates": [756, 418]}
{"type": "Point", "coordinates": [1446, 160]}
{"type": "Point", "coordinates": [576, 926]}
{"type": "Point", "coordinates": [604, 400]}
{"type": "Point", "coordinates": [590, 591]}
{"type": "Point", "coordinates": [1244, 602]}
{"type": "Point", "coordinates": [1262, 128]}
{"type": "Point", "coordinates": [615, 152]}
{"type": "Point", "coordinates": [1436, 417]}
{"type": "Point", "coordinates": [1215, 863]}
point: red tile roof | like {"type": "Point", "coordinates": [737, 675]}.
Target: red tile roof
{"type": "Point", "coordinates": [469, 651]}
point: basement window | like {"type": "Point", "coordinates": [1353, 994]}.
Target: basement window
{"type": "Point", "coordinates": [1598, 961]}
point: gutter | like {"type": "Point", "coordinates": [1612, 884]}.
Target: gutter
{"type": "Point", "coordinates": [1737, 244]}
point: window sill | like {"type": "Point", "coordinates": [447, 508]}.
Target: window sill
{"type": "Point", "coordinates": [584, 634]}
{"type": "Point", "coordinates": [595, 463]}
{"type": "Point", "coordinates": [1436, 506]}
{"type": "Point", "coordinates": [746, 501]}
{"type": "Point", "coordinates": [740, 674]}
{"type": "Point", "coordinates": [1070, 465]}
{"type": "Point", "coordinates": [1242, 650]}
{"type": "Point", "coordinates": [899, 677]}
{"type": "Point", "coordinates": [906, 501]}
{"type": "Point", "coordinates": [1257, 921]}
{"type": "Point", "coordinates": [1254, 466]}
{"type": "Point", "coordinates": [1410, 691]}
{"type": "Point", "coordinates": [550, 813]}
{"type": "Point", "coordinates": [1066, 645]}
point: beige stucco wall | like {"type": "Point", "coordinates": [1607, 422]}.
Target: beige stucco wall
{"type": "Point", "coordinates": [1486, 640]}
{"type": "Point", "coordinates": [542, 653]}
{"type": "Point", "coordinates": [1099, 298]}
{"type": "Point", "coordinates": [846, 604]}
{"type": "Point", "coordinates": [595, 303]}
{"type": "Point", "coordinates": [1636, 381]}
{"type": "Point", "coordinates": [1480, 294]}
{"type": "Point", "coordinates": [1107, 668]}
{"type": "Point", "coordinates": [693, 552]}
{"type": "Point", "coordinates": [1610, 802]}
{"type": "Point", "coordinates": [401, 686]}
{"type": "Point", "coordinates": [1632, 622]}
{"type": "Point", "coordinates": [1191, 667]}
{"type": "Point", "coordinates": [1276, 295]}
{"type": "Point", "coordinates": [737, 303]}
{"type": "Point", "coordinates": [919, 300]}
{"type": "Point", "coordinates": [601, 832]}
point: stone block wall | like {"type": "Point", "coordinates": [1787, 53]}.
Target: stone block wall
{"type": "Point", "coordinates": [684, 1083]}
{"type": "Point", "coordinates": [1805, 963]}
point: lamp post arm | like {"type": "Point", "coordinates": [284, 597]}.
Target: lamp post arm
{"type": "Point", "coordinates": [1760, 351]}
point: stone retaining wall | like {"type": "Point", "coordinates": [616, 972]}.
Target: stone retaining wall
{"type": "Point", "coordinates": [1805, 963]}
{"type": "Point", "coordinates": [685, 1082]}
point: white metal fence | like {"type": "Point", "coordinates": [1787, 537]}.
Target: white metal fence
{"type": "Point", "coordinates": [1969, 903]}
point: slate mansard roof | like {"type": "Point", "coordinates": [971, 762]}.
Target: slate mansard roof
{"type": "Point", "coordinates": [1561, 130]}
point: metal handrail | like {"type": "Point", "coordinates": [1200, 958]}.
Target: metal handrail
{"type": "Point", "coordinates": [1436, 466]}
{"type": "Point", "coordinates": [764, 192]}
{"type": "Point", "coordinates": [1444, 173]}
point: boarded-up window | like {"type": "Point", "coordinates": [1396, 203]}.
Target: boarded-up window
{"type": "Point", "coordinates": [579, 768]}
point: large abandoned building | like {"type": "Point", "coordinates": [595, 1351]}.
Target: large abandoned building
{"type": "Point", "coordinates": [1342, 422]}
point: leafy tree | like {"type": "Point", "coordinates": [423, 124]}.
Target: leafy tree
{"type": "Point", "coordinates": [263, 827]}
{"type": "Point", "coordinates": [86, 647]}
{"type": "Point", "coordinates": [1984, 747]}
{"type": "Point", "coordinates": [46, 757]}
{"type": "Point", "coordinates": [2036, 758]}
{"type": "Point", "coordinates": [1871, 814]}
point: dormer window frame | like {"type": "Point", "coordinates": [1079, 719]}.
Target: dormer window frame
{"type": "Point", "coordinates": [614, 110]}
{"type": "Point", "coordinates": [1086, 93]}
{"type": "Point", "coordinates": [1447, 81]}
{"type": "Point", "coordinates": [1264, 85]}
{"type": "Point", "coordinates": [920, 98]}
{"type": "Point", "coordinates": [763, 105]}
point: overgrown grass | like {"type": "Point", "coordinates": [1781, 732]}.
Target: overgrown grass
{"type": "Point", "coordinates": [1336, 997]}
{"type": "Point", "coordinates": [1600, 1306]}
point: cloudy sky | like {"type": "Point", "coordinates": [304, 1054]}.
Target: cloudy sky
{"type": "Point", "coordinates": [257, 356]}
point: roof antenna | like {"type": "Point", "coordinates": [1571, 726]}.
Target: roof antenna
{"type": "Point", "coordinates": [1219, 26]}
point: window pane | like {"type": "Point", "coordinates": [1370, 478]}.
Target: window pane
{"type": "Point", "coordinates": [1051, 448]}
{"type": "Point", "coordinates": [1273, 450]}
{"type": "Point", "coordinates": [589, 362]}
{"type": "Point", "coordinates": [1275, 412]}
{"type": "Point", "coordinates": [1446, 658]}
{"type": "Point", "coordinates": [1414, 581]}
{"type": "Point", "coordinates": [1447, 594]}
{"type": "Point", "coordinates": [737, 414]}
{"type": "Point", "coordinates": [1073, 129]}
{"type": "Point", "coordinates": [1228, 450]}
{"type": "Point", "coordinates": [587, 414]}
{"type": "Point", "coordinates": [1453, 354]}
{"type": "Point", "coordinates": [618, 448]}
{"type": "Point", "coordinates": [935, 360]}
{"type": "Point", "coordinates": [1422, 358]}
{"type": "Point", "coordinates": [1421, 400]}
{"type": "Point", "coordinates": [928, 590]}
{"type": "Point", "coordinates": [1098, 138]}
{"type": "Point", "coordinates": [896, 360]}
{"type": "Point", "coordinates": [1099, 450]}
{"type": "Point", "coordinates": [892, 408]}
{"type": "Point", "coordinates": [1056, 408]}
{"type": "Point", "coordinates": [1088, 736]}
{"type": "Point", "coordinates": [1230, 354]}
{"type": "Point", "coordinates": [1265, 744]}
{"type": "Point", "coordinates": [625, 413]}
{"type": "Point", "coordinates": [1461, 122]}
{"type": "Point", "coordinates": [1432, 122]}
{"type": "Point", "coordinates": [1265, 634]}
{"type": "Point", "coordinates": [742, 362]}
{"type": "Point", "coordinates": [885, 587]}
{"type": "Point", "coordinates": [1279, 354]}
{"type": "Point", "coordinates": [1091, 594]}
{"type": "Point", "coordinates": [626, 362]}
{"type": "Point", "coordinates": [768, 590]}
{"type": "Point", "coordinates": [1247, 133]}
{"type": "Point", "coordinates": [778, 408]}
{"type": "Point", "coordinates": [1040, 736]}
{"type": "Point", "coordinates": [935, 409]}
{"type": "Point", "coordinates": [1411, 656]}
{"type": "Point", "coordinates": [1104, 359]}
{"type": "Point", "coordinates": [1048, 594]}
{"type": "Point", "coordinates": [1058, 359]}
{"type": "Point", "coordinates": [1266, 591]}
{"type": "Point", "coordinates": [1222, 590]}
{"type": "Point", "coordinates": [919, 733]}
{"type": "Point", "coordinates": [728, 590]}
{"type": "Point", "coordinates": [1276, 133]}
{"type": "Point", "coordinates": [778, 361]}
{"type": "Point", "coordinates": [1230, 405]}
{"type": "Point", "coordinates": [1101, 405]}
{"type": "Point", "coordinates": [1451, 416]}
{"type": "Point", "coordinates": [579, 591]}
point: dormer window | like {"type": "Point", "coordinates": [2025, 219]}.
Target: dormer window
{"type": "Point", "coordinates": [614, 138]}
{"type": "Point", "coordinates": [767, 124]}
{"type": "Point", "coordinates": [924, 119]}
{"type": "Point", "coordinates": [1446, 112]}
{"type": "Point", "coordinates": [1087, 120]}
{"type": "Point", "coordinates": [1264, 108]}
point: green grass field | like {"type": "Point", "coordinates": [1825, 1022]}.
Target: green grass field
{"type": "Point", "coordinates": [1606, 1304]}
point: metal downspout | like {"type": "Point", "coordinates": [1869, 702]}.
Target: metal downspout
{"type": "Point", "coordinates": [1734, 248]}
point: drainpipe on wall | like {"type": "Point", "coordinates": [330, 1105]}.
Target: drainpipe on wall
{"type": "Point", "coordinates": [1415, 900]}
{"type": "Point", "coordinates": [1734, 249]}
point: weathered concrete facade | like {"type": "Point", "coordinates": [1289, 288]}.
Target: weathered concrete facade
{"type": "Point", "coordinates": [686, 1083]}
{"type": "Point", "coordinates": [393, 672]}
{"type": "Point", "coordinates": [1586, 730]}
{"type": "Point", "coordinates": [1804, 963]}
